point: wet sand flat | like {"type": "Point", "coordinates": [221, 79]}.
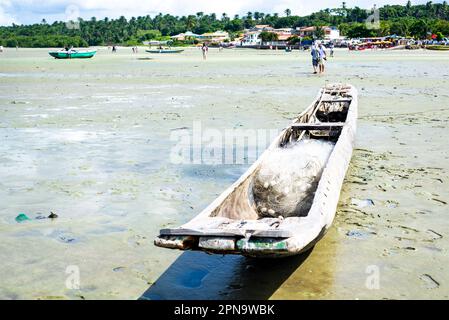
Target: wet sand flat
{"type": "Point", "coordinates": [90, 141]}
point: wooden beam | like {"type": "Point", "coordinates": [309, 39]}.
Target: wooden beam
{"type": "Point", "coordinates": [226, 233]}
{"type": "Point", "coordinates": [317, 126]}
{"type": "Point", "coordinates": [338, 100]}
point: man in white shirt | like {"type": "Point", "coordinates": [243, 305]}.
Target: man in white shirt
{"type": "Point", "coordinates": [323, 57]}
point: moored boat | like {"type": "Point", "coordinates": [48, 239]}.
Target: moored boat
{"type": "Point", "coordinates": [238, 221]}
{"type": "Point", "coordinates": [72, 54]}
{"type": "Point", "coordinates": [164, 50]}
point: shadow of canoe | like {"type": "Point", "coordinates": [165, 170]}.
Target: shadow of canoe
{"type": "Point", "coordinates": [200, 276]}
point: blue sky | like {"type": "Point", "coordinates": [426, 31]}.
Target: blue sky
{"type": "Point", "coordinates": [32, 11]}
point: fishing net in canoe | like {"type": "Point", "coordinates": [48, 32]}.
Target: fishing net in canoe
{"type": "Point", "coordinates": [286, 180]}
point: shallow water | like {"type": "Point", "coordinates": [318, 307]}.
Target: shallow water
{"type": "Point", "coordinates": [90, 141]}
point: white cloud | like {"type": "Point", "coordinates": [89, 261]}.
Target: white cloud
{"type": "Point", "coordinates": [31, 11]}
{"type": "Point", "coordinates": [6, 19]}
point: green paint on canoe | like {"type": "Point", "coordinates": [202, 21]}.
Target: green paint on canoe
{"type": "Point", "coordinates": [72, 54]}
{"type": "Point", "coordinates": [262, 245]}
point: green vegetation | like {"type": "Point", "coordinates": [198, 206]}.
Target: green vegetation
{"type": "Point", "coordinates": [268, 36]}
{"type": "Point", "coordinates": [408, 20]}
{"type": "Point", "coordinates": [319, 32]}
{"type": "Point", "coordinates": [43, 41]}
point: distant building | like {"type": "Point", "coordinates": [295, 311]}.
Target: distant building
{"type": "Point", "coordinates": [284, 33]}
{"type": "Point", "coordinates": [330, 33]}
{"type": "Point", "coordinates": [251, 38]}
{"type": "Point", "coordinates": [185, 36]}
{"type": "Point", "coordinates": [217, 36]}
{"type": "Point", "coordinates": [261, 27]}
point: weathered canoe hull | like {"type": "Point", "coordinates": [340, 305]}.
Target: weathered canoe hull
{"type": "Point", "coordinates": [72, 55]}
{"type": "Point", "coordinates": [165, 51]}
{"type": "Point", "coordinates": [273, 237]}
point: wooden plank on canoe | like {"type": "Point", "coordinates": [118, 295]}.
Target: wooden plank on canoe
{"type": "Point", "coordinates": [317, 126]}
{"type": "Point", "coordinates": [269, 233]}
{"type": "Point", "coordinates": [337, 100]}
{"type": "Point", "coordinates": [217, 243]}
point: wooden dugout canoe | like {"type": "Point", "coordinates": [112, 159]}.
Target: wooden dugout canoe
{"type": "Point", "coordinates": [231, 223]}
{"type": "Point", "coordinates": [72, 54]}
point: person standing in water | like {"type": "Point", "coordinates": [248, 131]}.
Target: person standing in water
{"type": "Point", "coordinates": [315, 57]}
{"type": "Point", "coordinates": [322, 57]}
{"type": "Point", "coordinates": [205, 50]}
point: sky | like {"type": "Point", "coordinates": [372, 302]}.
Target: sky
{"type": "Point", "coordinates": [33, 11]}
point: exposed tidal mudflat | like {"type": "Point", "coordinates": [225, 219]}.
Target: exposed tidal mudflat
{"type": "Point", "coordinates": [90, 141]}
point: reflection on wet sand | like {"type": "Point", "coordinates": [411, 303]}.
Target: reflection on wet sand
{"type": "Point", "coordinates": [197, 275]}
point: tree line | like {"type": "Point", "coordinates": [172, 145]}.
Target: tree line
{"type": "Point", "coordinates": [404, 20]}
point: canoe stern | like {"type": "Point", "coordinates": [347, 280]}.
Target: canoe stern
{"type": "Point", "coordinates": [253, 247]}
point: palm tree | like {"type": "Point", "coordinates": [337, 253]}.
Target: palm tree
{"type": "Point", "coordinates": [249, 15]}
{"type": "Point", "coordinates": [190, 22]}
{"type": "Point", "coordinates": [288, 12]}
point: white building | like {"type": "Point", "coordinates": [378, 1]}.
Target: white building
{"type": "Point", "coordinates": [217, 36]}
{"type": "Point", "coordinates": [330, 33]}
{"type": "Point", "coordinates": [251, 38]}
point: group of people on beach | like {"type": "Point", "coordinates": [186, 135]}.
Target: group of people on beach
{"type": "Point", "coordinates": [319, 56]}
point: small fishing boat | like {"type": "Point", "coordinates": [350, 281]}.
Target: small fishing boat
{"type": "Point", "coordinates": [72, 54]}
{"type": "Point", "coordinates": [164, 50]}
{"type": "Point", "coordinates": [233, 223]}
{"type": "Point", "coordinates": [438, 47]}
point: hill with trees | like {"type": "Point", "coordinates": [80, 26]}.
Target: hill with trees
{"type": "Point", "coordinates": [408, 20]}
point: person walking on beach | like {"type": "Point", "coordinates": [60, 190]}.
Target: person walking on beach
{"type": "Point", "coordinates": [331, 47]}
{"type": "Point", "coordinates": [315, 57]}
{"type": "Point", "coordinates": [322, 57]}
{"type": "Point", "coordinates": [205, 50]}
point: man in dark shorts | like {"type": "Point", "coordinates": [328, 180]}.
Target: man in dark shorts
{"type": "Point", "coordinates": [315, 57]}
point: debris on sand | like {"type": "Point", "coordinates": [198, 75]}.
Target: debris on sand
{"type": "Point", "coordinates": [362, 203]}
{"type": "Point", "coordinates": [430, 282]}
{"type": "Point", "coordinates": [22, 217]}
{"type": "Point", "coordinates": [52, 215]}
